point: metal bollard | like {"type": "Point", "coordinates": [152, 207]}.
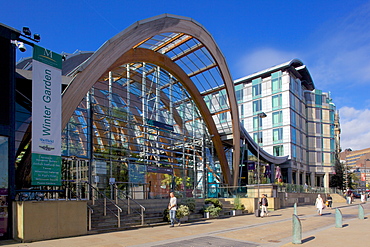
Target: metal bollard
{"type": "Point", "coordinates": [338, 218]}
{"type": "Point", "coordinates": [295, 208]}
{"type": "Point", "coordinates": [297, 230]}
{"type": "Point", "coordinates": [361, 212]}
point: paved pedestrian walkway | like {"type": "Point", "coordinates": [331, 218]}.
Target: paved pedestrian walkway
{"type": "Point", "coordinates": [246, 230]}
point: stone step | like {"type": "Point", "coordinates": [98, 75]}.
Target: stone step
{"type": "Point", "coordinates": [153, 214]}
{"type": "Point", "coordinates": [338, 198]}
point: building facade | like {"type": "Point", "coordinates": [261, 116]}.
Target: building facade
{"type": "Point", "coordinates": [299, 122]}
{"type": "Point", "coordinates": [357, 162]}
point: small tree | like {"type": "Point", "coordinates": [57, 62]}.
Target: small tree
{"type": "Point", "coordinates": [337, 180]}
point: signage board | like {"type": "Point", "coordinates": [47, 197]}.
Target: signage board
{"type": "Point", "coordinates": [46, 117]}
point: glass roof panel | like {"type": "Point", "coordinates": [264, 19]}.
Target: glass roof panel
{"type": "Point", "coordinates": [196, 61]}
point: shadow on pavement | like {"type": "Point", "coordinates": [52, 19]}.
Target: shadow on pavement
{"type": "Point", "coordinates": [308, 239]}
{"type": "Point", "coordinates": [326, 214]}
{"type": "Point", "coordinates": [195, 223]}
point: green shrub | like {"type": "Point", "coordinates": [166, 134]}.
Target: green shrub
{"type": "Point", "coordinates": [181, 212]}
{"type": "Point", "coordinates": [213, 201]}
{"type": "Point", "coordinates": [190, 202]}
{"type": "Point", "coordinates": [213, 211]}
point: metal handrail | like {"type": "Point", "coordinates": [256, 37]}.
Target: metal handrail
{"type": "Point", "coordinates": [119, 209]}
{"type": "Point", "coordinates": [128, 197]}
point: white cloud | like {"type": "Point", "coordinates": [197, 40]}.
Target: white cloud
{"type": "Point", "coordinates": [261, 59]}
{"type": "Point", "coordinates": [355, 128]}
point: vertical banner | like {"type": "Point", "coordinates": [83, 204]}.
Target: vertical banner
{"type": "Point", "coordinates": [46, 117]}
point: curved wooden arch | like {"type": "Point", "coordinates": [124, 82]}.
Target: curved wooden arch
{"type": "Point", "coordinates": [108, 55]}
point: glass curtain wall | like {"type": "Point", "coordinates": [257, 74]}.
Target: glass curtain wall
{"type": "Point", "coordinates": [140, 129]}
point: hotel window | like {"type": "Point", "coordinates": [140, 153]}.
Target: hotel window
{"type": "Point", "coordinates": [278, 150]}
{"type": "Point", "coordinates": [319, 157]}
{"type": "Point", "coordinates": [332, 116]}
{"type": "Point", "coordinates": [255, 137]}
{"type": "Point", "coordinates": [293, 84]}
{"type": "Point", "coordinates": [293, 118]}
{"type": "Point", "coordinates": [318, 97]}
{"type": "Point", "coordinates": [318, 128]}
{"type": "Point", "coordinates": [294, 136]}
{"type": "Point", "coordinates": [276, 102]}
{"type": "Point", "coordinates": [292, 102]}
{"type": "Point", "coordinates": [277, 135]}
{"type": "Point", "coordinates": [256, 91]}
{"type": "Point", "coordinates": [277, 118]}
{"type": "Point", "coordinates": [239, 93]}
{"type": "Point", "coordinates": [319, 141]}
{"type": "Point", "coordinates": [332, 145]}
{"type": "Point", "coordinates": [257, 106]}
{"type": "Point", "coordinates": [294, 151]}
{"type": "Point", "coordinates": [241, 110]}
{"type": "Point", "coordinates": [276, 82]}
{"type": "Point", "coordinates": [257, 123]}
{"type": "Point", "coordinates": [256, 87]}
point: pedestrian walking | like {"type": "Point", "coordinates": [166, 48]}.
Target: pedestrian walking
{"type": "Point", "coordinates": [319, 204]}
{"type": "Point", "coordinates": [172, 207]}
{"type": "Point", "coordinates": [363, 198]}
{"type": "Point", "coordinates": [330, 201]}
{"type": "Point", "coordinates": [264, 203]}
{"type": "Point", "coordinates": [348, 196]}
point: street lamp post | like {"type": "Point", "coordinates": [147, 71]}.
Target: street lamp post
{"type": "Point", "coordinates": [260, 116]}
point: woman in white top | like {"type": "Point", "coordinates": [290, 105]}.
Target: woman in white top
{"type": "Point", "coordinates": [319, 204]}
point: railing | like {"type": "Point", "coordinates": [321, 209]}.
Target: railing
{"type": "Point", "coordinates": [117, 192]}
{"type": "Point", "coordinates": [105, 201]}
{"type": "Point", "coordinates": [295, 188]}
{"type": "Point", "coordinates": [251, 190]}
{"type": "Point", "coordinates": [135, 190]}
{"type": "Point", "coordinates": [37, 194]}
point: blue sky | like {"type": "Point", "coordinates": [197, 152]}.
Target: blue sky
{"type": "Point", "coordinates": [331, 37]}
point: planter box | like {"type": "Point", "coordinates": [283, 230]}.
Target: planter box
{"type": "Point", "coordinates": [236, 212]}
{"type": "Point", "coordinates": [40, 220]}
{"type": "Point", "coordinates": [208, 215]}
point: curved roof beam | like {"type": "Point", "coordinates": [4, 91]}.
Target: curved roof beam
{"type": "Point", "coordinates": [113, 49]}
{"type": "Point", "coordinates": [277, 160]}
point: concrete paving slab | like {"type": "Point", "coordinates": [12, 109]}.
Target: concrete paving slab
{"type": "Point", "coordinates": [246, 230]}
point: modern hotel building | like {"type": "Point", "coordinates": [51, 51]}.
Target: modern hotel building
{"type": "Point", "coordinates": [301, 122]}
